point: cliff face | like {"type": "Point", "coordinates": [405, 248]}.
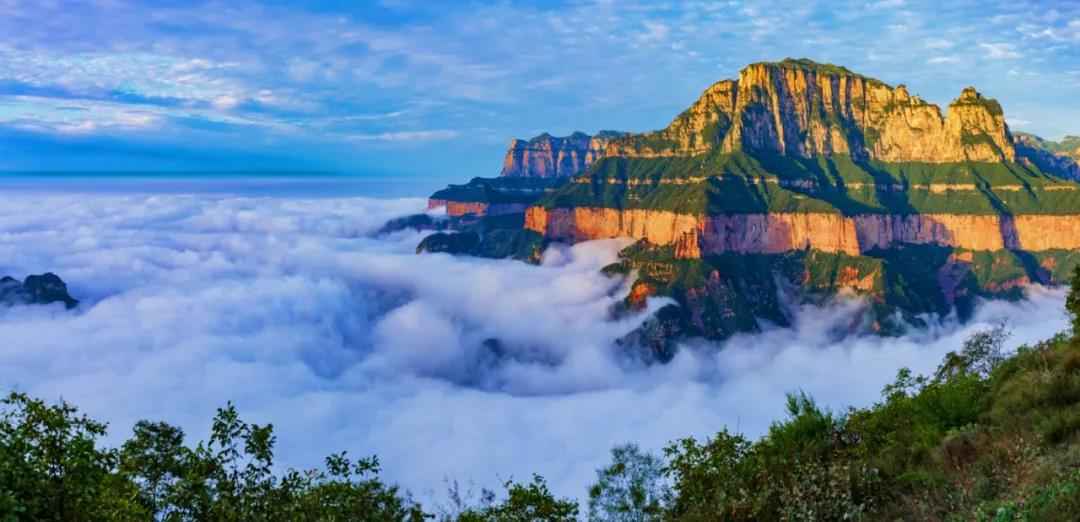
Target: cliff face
{"type": "Point", "coordinates": [546, 156]}
{"type": "Point", "coordinates": [804, 109]}
{"type": "Point", "coordinates": [695, 236]}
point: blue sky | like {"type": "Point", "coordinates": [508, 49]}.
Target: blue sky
{"type": "Point", "coordinates": [435, 89]}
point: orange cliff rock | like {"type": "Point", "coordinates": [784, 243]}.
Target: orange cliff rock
{"type": "Point", "coordinates": [462, 208]}
{"type": "Point", "coordinates": [696, 235]}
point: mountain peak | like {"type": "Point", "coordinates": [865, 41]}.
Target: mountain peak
{"type": "Point", "coordinates": [969, 94]}
{"type": "Point", "coordinates": [803, 108]}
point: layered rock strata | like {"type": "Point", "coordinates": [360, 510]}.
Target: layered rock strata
{"type": "Point", "coordinates": [774, 233]}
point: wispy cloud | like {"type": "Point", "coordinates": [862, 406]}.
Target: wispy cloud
{"type": "Point", "coordinates": [939, 60]}
{"type": "Point", "coordinates": [1000, 51]}
{"type": "Point", "coordinates": [938, 43]}
{"type": "Point", "coordinates": [407, 136]}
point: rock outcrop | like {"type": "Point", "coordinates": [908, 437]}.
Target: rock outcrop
{"type": "Point", "coordinates": [547, 156]}
{"type": "Point", "coordinates": [35, 289]}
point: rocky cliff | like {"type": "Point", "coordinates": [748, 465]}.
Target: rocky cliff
{"type": "Point", "coordinates": [546, 156]}
{"type": "Point", "coordinates": [805, 109]}
{"type": "Point", "coordinates": [780, 232]}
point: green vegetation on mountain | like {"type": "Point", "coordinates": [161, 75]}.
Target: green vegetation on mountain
{"type": "Point", "coordinates": [739, 183]}
{"type": "Point", "coordinates": [806, 64]}
{"type": "Point", "coordinates": [717, 296]}
{"type": "Point", "coordinates": [499, 190]}
{"type": "Point", "coordinates": [989, 436]}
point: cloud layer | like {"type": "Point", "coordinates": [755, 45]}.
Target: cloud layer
{"type": "Point", "coordinates": [287, 307]}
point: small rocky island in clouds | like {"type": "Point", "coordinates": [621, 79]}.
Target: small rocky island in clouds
{"type": "Point", "coordinates": [794, 183]}
{"type": "Point", "coordinates": [40, 289]}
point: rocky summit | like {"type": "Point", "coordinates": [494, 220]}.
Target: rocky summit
{"type": "Point", "coordinates": [796, 182]}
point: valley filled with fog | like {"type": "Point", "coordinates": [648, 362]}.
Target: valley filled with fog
{"type": "Point", "coordinates": [294, 309]}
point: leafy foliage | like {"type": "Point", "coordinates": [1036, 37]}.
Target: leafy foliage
{"type": "Point", "coordinates": [52, 468]}
{"type": "Point", "coordinates": [631, 489]}
{"type": "Point", "coordinates": [528, 502]}
{"type": "Point", "coordinates": [1072, 301]}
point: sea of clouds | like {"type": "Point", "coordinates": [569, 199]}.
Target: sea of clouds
{"type": "Point", "coordinates": [290, 308]}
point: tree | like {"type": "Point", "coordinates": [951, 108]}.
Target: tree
{"type": "Point", "coordinates": [531, 502]}
{"type": "Point", "coordinates": [981, 353]}
{"type": "Point", "coordinates": [51, 467]}
{"type": "Point", "coordinates": [713, 480]}
{"type": "Point", "coordinates": [154, 459]}
{"type": "Point", "coordinates": [630, 489]}
{"type": "Point", "coordinates": [1072, 301]}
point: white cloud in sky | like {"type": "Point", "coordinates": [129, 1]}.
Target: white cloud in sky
{"type": "Point", "coordinates": [1000, 51]}
{"type": "Point", "coordinates": [938, 60]}
{"type": "Point", "coordinates": [938, 43]}
{"type": "Point", "coordinates": [407, 136]}
{"type": "Point", "coordinates": [347, 342]}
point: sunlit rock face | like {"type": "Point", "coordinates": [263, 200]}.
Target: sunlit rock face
{"type": "Point", "coordinates": [801, 108]}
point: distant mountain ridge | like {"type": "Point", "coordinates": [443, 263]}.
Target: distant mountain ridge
{"type": "Point", "coordinates": [1062, 157]}
{"type": "Point", "coordinates": [547, 156]}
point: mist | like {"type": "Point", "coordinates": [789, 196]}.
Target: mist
{"type": "Point", "coordinates": [290, 308]}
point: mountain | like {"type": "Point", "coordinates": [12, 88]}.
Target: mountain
{"type": "Point", "coordinates": [799, 181]}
